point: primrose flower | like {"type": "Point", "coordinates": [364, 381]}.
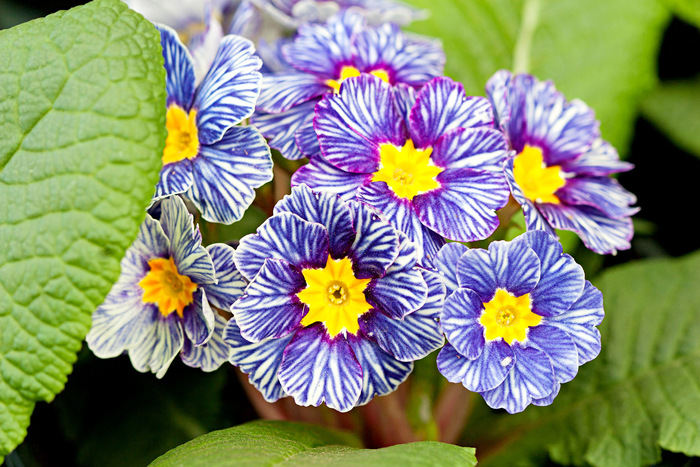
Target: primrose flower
{"type": "Point", "coordinates": [560, 174]}
{"type": "Point", "coordinates": [215, 164]}
{"type": "Point", "coordinates": [430, 162]}
{"type": "Point", "coordinates": [323, 56]}
{"type": "Point", "coordinates": [519, 320]}
{"type": "Point", "coordinates": [293, 13]}
{"type": "Point", "coordinates": [160, 306]}
{"type": "Point", "coordinates": [336, 310]}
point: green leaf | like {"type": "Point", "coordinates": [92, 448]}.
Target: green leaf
{"type": "Point", "coordinates": [600, 51]}
{"type": "Point", "coordinates": [674, 107]}
{"type": "Point", "coordinates": [688, 10]}
{"type": "Point", "coordinates": [285, 443]}
{"type": "Point", "coordinates": [82, 121]}
{"type": "Point", "coordinates": [640, 395]}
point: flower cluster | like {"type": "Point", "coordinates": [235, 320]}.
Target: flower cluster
{"type": "Point", "coordinates": [362, 270]}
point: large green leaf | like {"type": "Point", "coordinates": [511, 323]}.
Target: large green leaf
{"type": "Point", "coordinates": [689, 10]}
{"type": "Point", "coordinates": [82, 122]}
{"type": "Point", "coordinates": [600, 51]}
{"type": "Point", "coordinates": [675, 108]}
{"type": "Point", "coordinates": [640, 395]}
{"type": "Point", "coordinates": [284, 443]}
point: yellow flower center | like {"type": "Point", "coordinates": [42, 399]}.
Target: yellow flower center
{"type": "Point", "coordinates": [537, 181]}
{"type": "Point", "coordinates": [508, 317]}
{"type": "Point", "coordinates": [351, 72]}
{"type": "Point", "coordinates": [335, 297]}
{"type": "Point", "coordinates": [182, 141]}
{"type": "Point", "coordinates": [407, 170]}
{"type": "Point", "coordinates": [164, 286]}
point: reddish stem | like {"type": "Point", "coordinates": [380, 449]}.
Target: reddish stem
{"type": "Point", "coordinates": [454, 405]}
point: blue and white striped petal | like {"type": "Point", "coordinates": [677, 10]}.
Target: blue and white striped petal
{"type": "Point", "coordinates": [561, 279]}
{"type": "Point", "coordinates": [407, 257]}
{"type": "Point", "coordinates": [580, 323]}
{"type": "Point", "coordinates": [600, 160]}
{"type": "Point", "coordinates": [532, 377]}
{"type": "Point", "coordinates": [230, 283]}
{"type": "Point", "coordinates": [442, 106]}
{"type": "Point", "coordinates": [322, 175]}
{"type": "Point", "coordinates": [175, 178]}
{"type": "Point", "coordinates": [413, 61]}
{"type": "Point", "coordinates": [376, 245]}
{"type": "Point", "coordinates": [600, 233]}
{"type": "Point", "coordinates": [352, 124]}
{"type": "Point", "coordinates": [464, 207]}
{"type": "Point", "coordinates": [228, 92]}
{"type": "Point", "coordinates": [307, 139]}
{"type": "Point", "coordinates": [549, 399]}
{"type": "Point", "coordinates": [402, 215]}
{"type": "Point", "coordinates": [534, 220]}
{"type": "Point", "coordinates": [285, 236]}
{"type": "Point", "coordinates": [397, 294]}
{"type": "Point", "coordinates": [114, 321]}
{"type": "Point", "coordinates": [203, 45]}
{"type": "Point", "coordinates": [323, 208]}
{"type": "Point", "coordinates": [270, 307]}
{"type": "Point", "coordinates": [179, 77]}
{"type": "Point", "coordinates": [478, 148]}
{"type": "Point", "coordinates": [559, 347]}
{"type": "Point", "coordinates": [260, 361]}
{"type": "Point", "coordinates": [157, 343]}
{"type": "Point", "coordinates": [381, 372]}
{"type": "Point", "coordinates": [208, 357]}
{"type": "Point", "coordinates": [323, 49]}
{"type": "Point", "coordinates": [246, 21]}
{"type": "Point", "coordinates": [317, 369]}
{"type": "Point", "coordinates": [284, 90]}
{"type": "Point", "coordinates": [280, 129]}
{"type": "Point", "coordinates": [484, 373]}
{"type": "Point", "coordinates": [459, 320]}
{"type": "Point", "coordinates": [446, 264]}
{"type": "Point", "coordinates": [511, 266]}
{"type": "Point", "coordinates": [498, 93]}
{"type": "Point", "coordinates": [404, 100]}
{"type": "Point", "coordinates": [602, 193]}
{"type": "Point", "coordinates": [227, 172]}
{"type": "Point", "coordinates": [191, 258]}
{"type": "Point", "coordinates": [198, 319]}
{"type": "Point", "coordinates": [150, 243]}
{"type": "Point", "coordinates": [417, 334]}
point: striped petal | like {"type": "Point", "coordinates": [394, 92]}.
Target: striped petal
{"type": "Point", "coordinates": [559, 347]}
{"type": "Point", "coordinates": [159, 341]}
{"type": "Point", "coordinates": [397, 294]}
{"type": "Point", "coordinates": [580, 323]}
{"type": "Point", "coordinates": [284, 90]}
{"type": "Point", "coordinates": [320, 174]}
{"type": "Point", "coordinates": [381, 372]}
{"type": "Point", "coordinates": [404, 99]}
{"type": "Point", "coordinates": [204, 45]}
{"type": "Point", "coordinates": [464, 207]}
{"type": "Point", "coordinates": [114, 321]}
{"type": "Point", "coordinates": [561, 279]}
{"type": "Point", "coordinates": [414, 336]}
{"type": "Point", "coordinates": [307, 139]}
{"type": "Point", "coordinates": [246, 21]}
{"type": "Point", "coordinates": [485, 372]}
{"type": "Point", "coordinates": [150, 243]}
{"type": "Point", "coordinates": [208, 357]}
{"type": "Point", "coordinates": [446, 264]}
{"type": "Point", "coordinates": [175, 178]}
{"type": "Point", "coordinates": [179, 71]}
{"type": "Point", "coordinates": [548, 399]}
{"type": "Point", "coordinates": [353, 123]}
{"type": "Point", "coordinates": [479, 148]}
{"type": "Point", "coordinates": [270, 307]}
{"type": "Point", "coordinates": [602, 193]}
{"type": "Point", "coordinates": [459, 320]}
{"type": "Point", "coordinates": [230, 283]}
{"type": "Point", "coordinates": [498, 93]}
{"type": "Point", "coordinates": [322, 208]}
{"type": "Point", "coordinates": [442, 106]}
{"type": "Point", "coordinates": [198, 319]}
{"type": "Point", "coordinates": [280, 129]}
{"type": "Point", "coordinates": [376, 245]}
{"type": "Point", "coordinates": [317, 369]}
{"type": "Point", "coordinates": [228, 93]}
{"type": "Point", "coordinates": [191, 258]}
{"type": "Point", "coordinates": [285, 236]}
{"type": "Point", "coordinates": [260, 361]}
{"type": "Point", "coordinates": [227, 173]}
{"type": "Point", "coordinates": [402, 215]}
{"type": "Point", "coordinates": [511, 266]}
{"type": "Point", "coordinates": [533, 218]}
{"type": "Point", "coordinates": [600, 160]}
{"type": "Point", "coordinates": [532, 377]}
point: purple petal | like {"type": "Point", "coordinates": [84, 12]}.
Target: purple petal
{"type": "Point", "coordinates": [281, 128]}
{"type": "Point", "coordinates": [559, 347]}
{"type": "Point", "coordinates": [602, 193]}
{"type": "Point", "coordinates": [198, 319]}
{"type": "Point", "coordinates": [446, 264]}
{"type": "Point", "coordinates": [376, 245]}
{"type": "Point", "coordinates": [533, 218]}
{"type": "Point", "coordinates": [483, 373]}
{"type": "Point", "coordinates": [286, 89]}
{"type": "Point", "coordinates": [316, 369]}
{"type": "Point", "coordinates": [479, 148]}
{"type": "Point", "coordinates": [208, 357]}
{"type": "Point", "coordinates": [175, 178]}
{"type": "Point", "coordinates": [179, 79]}
{"type": "Point", "coordinates": [320, 174]}
{"type": "Point", "coordinates": [270, 307]}
{"type": "Point", "coordinates": [459, 319]}
{"type": "Point", "coordinates": [230, 283]}
{"type": "Point", "coordinates": [600, 160]}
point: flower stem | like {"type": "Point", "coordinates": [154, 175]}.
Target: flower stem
{"type": "Point", "coordinates": [454, 405]}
